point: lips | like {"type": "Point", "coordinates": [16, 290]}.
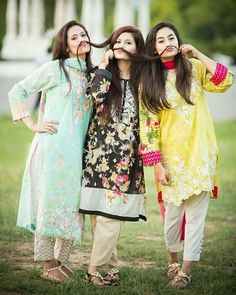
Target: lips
{"type": "Point", "coordinates": [170, 49]}
{"type": "Point", "coordinates": [83, 43]}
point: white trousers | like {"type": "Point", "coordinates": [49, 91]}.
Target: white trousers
{"type": "Point", "coordinates": [195, 209]}
{"type": "Point", "coordinates": [46, 248]}
{"type": "Point", "coordinates": [106, 234]}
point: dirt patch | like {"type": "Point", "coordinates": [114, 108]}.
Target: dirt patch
{"type": "Point", "coordinates": [21, 257]}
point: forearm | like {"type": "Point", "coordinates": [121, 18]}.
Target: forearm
{"type": "Point", "coordinates": [207, 62]}
{"type": "Point", "coordinates": [28, 122]}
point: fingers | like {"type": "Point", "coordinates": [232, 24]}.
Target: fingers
{"type": "Point", "coordinates": [164, 182]}
{"type": "Point", "coordinates": [108, 56]}
{"type": "Point", "coordinates": [187, 50]}
{"type": "Point", "coordinates": [47, 127]}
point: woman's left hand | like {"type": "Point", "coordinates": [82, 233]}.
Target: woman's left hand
{"type": "Point", "coordinates": [187, 50]}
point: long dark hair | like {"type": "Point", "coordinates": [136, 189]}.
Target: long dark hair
{"type": "Point", "coordinates": [154, 74]}
{"type": "Point", "coordinates": [60, 48]}
{"type": "Point", "coordinates": [114, 100]}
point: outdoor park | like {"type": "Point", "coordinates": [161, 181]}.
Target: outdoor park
{"type": "Point", "coordinates": [141, 249]}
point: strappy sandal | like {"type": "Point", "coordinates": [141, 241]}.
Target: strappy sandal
{"type": "Point", "coordinates": [67, 270]}
{"type": "Point", "coordinates": [94, 278]}
{"type": "Point", "coordinates": [173, 270]}
{"type": "Point", "coordinates": [112, 277]}
{"type": "Point", "coordinates": [181, 281]}
{"type": "Point", "coordinates": [46, 274]}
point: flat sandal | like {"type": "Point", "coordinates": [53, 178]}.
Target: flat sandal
{"type": "Point", "coordinates": [181, 277]}
{"type": "Point", "coordinates": [95, 278]}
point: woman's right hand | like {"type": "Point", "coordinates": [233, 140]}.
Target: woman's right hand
{"type": "Point", "coordinates": [106, 58]}
{"type": "Point", "coordinates": [161, 174]}
{"type": "Point", "coordinates": [45, 127]}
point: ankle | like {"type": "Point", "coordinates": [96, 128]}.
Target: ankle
{"type": "Point", "coordinates": [47, 264]}
{"type": "Point", "coordinates": [186, 270]}
{"type": "Point", "coordinates": [92, 269]}
{"type": "Point", "coordinates": [173, 258]}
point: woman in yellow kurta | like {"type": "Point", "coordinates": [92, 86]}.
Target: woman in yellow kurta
{"type": "Point", "coordinates": [178, 139]}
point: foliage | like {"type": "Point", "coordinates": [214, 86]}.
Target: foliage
{"type": "Point", "coordinates": [211, 24]}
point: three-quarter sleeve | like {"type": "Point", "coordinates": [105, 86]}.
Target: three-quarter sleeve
{"type": "Point", "coordinates": [149, 136]}
{"type": "Point", "coordinates": [220, 81]}
{"type": "Point", "coordinates": [42, 79]}
{"type": "Point", "coordinates": [99, 86]}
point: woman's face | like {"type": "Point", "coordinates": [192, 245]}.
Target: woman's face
{"type": "Point", "coordinates": [76, 36]}
{"type": "Point", "coordinates": [166, 44]}
{"type": "Point", "coordinates": [126, 41]}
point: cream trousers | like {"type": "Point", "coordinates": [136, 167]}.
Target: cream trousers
{"type": "Point", "coordinates": [195, 209]}
{"type": "Point", "coordinates": [106, 234]}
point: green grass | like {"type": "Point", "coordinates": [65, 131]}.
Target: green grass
{"type": "Point", "coordinates": [141, 247]}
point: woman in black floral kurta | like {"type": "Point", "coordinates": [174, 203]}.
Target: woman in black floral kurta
{"type": "Point", "coordinates": [113, 181]}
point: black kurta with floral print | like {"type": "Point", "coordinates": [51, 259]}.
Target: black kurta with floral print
{"type": "Point", "coordinates": [113, 179]}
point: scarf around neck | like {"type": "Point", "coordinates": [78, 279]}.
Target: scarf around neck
{"type": "Point", "coordinates": [78, 65]}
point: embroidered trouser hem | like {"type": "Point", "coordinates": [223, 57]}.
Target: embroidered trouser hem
{"type": "Point", "coordinates": [47, 248]}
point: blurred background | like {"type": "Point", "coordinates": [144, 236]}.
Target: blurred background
{"type": "Point", "coordinates": [27, 28]}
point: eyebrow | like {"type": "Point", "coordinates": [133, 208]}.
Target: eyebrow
{"type": "Point", "coordinates": [170, 35]}
{"type": "Point", "coordinates": [125, 39]}
{"type": "Point", "coordinates": [75, 35]}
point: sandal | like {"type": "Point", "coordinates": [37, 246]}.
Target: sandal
{"type": "Point", "coordinates": [47, 274]}
{"type": "Point", "coordinates": [112, 277]}
{"type": "Point", "coordinates": [173, 270]}
{"type": "Point", "coordinates": [94, 278]}
{"type": "Point", "coordinates": [67, 270]}
{"type": "Point", "coordinates": [181, 281]}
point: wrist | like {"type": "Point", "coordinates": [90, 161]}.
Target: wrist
{"type": "Point", "coordinates": [102, 66]}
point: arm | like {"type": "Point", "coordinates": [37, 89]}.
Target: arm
{"type": "Point", "coordinates": [215, 77]}
{"type": "Point", "coordinates": [42, 79]}
{"type": "Point", "coordinates": [100, 83]}
{"type": "Point", "coordinates": [150, 143]}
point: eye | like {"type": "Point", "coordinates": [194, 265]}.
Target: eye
{"type": "Point", "coordinates": [160, 41]}
{"type": "Point", "coordinates": [172, 38]}
{"type": "Point", "coordinates": [83, 35]}
{"type": "Point", "coordinates": [128, 42]}
{"type": "Point", "coordinates": [74, 38]}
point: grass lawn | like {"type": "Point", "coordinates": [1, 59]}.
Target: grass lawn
{"type": "Point", "coordinates": [141, 248]}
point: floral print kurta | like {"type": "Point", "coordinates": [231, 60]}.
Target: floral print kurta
{"type": "Point", "coordinates": [51, 186]}
{"type": "Point", "coordinates": [185, 137]}
{"type": "Point", "coordinates": [113, 180]}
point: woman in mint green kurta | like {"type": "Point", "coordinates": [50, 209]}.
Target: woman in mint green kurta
{"type": "Point", "coordinates": [50, 193]}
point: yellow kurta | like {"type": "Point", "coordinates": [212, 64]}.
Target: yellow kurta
{"type": "Point", "coordinates": [185, 137]}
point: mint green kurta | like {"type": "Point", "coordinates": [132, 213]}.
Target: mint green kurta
{"type": "Point", "coordinates": [50, 193]}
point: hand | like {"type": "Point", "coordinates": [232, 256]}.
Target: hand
{"type": "Point", "coordinates": [187, 50]}
{"type": "Point", "coordinates": [45, 127]}
{"type": "Point", "coordinates": [106, 58]}
{"type": "Point", "coordinates": [160, 174]}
